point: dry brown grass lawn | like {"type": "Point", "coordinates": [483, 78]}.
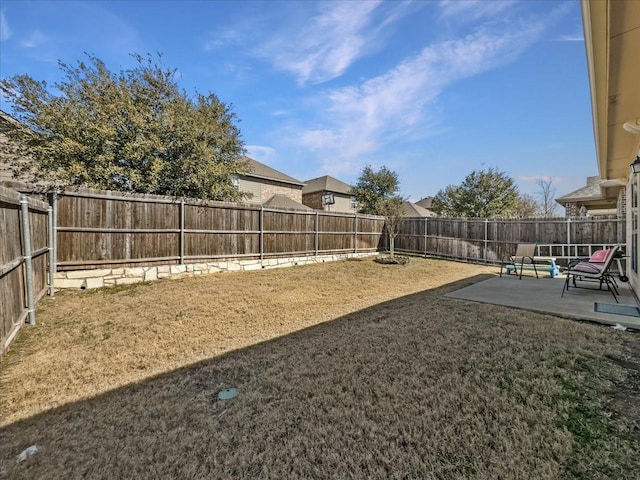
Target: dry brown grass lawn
{"type": "Point", "coordinates": [345, 370]}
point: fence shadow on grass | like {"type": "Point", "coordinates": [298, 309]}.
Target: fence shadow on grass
{"type": "Point", "coordinates": [392, 389]}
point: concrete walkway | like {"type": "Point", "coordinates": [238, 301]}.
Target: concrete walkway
{"type": "Point", "coordinates": [543, 295]}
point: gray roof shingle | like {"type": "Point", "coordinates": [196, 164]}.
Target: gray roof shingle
{"type": "Point", "coordinates": [260, 170]}
{"type": "Point", "coordinates": [326, 184]}
{"type": "Point", "coordinates": [281, 201]}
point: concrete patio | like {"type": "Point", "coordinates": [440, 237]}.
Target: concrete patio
{"type": "Point", "coordinates": [543, 295]}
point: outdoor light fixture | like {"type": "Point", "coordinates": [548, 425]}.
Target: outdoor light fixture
{"type": "Point", "coordinates": [632, 126]}
{"type": "Point", "coordinates": [635, 166]}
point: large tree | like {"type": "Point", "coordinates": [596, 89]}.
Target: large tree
{"type": "Point", "coordinates": [132, 131]}
{"type": "Point", "coordinates": [527, 207]}
{"type": "Point", "coordinates": [486, 194]}
{"type": "Point", "coordinates": [547, 195]}
{"type": "Point", "coordinates": [373, 188]}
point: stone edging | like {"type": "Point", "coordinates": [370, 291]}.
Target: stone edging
{"type": "Point", "coordinates": [85, 279]}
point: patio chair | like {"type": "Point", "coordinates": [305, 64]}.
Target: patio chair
{"type": "Point", "coordinates": [524, 253]}
{"type": "Point", "coordinates": [596, 269]}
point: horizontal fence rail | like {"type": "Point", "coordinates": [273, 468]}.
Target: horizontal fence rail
{"type": "Point", "coordinates": [91, 229]}
{"type": "Point", "coordinates": [98, 228]}
{"type": "Point", "coordinates": [491, 240]}
{"type": "Point", "coordinates": [24, 255]}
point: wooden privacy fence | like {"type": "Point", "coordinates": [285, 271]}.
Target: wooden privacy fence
{"type": "Point", "coordinates": [24, 245]}
{"type": "Point", "coordinates": [97, 228]}
{"type": "Point", "coordinates": [489, 240]}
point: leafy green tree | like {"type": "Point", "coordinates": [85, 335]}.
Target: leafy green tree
{"type": "Point", "coordinates": [132, 131]}
{"type": "Point", "coordinates": [484, 194]}
{"type": "Point", "coordinates": [373, 188]}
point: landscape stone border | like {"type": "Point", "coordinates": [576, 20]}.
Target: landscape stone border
{"type": "Point", "coordinates": [106, 277]}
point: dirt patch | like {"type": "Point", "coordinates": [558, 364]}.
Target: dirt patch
{"type": "Point", "coordinates": [625, 399]}
{"type": "Point", "coordinates": [349, 369]}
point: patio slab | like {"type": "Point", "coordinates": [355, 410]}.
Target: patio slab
{"type": "Point", "coordinates": [543, 295]}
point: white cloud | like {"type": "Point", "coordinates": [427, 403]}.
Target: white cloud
{"type": "Point", "coordinates": [361, 119]}
{"type": "Point", "coordinates": [536, 178]}
{"type": "Point", "coordinates": [260, 153]}
{"type": "Point", "coordinates": [472, 10]}
{"type": "Point", "coordinates": [34, 40]}
{"type": "Point", "coordinates": [572, 38]}
{"type": "Point", "coordinates": [330, 43]}
{"type": "Point", "coordinates": [5, 31]}
{"type": "Point", "coordinates": [222, 38]}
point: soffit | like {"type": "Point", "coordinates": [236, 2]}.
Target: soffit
{"type": "Point", "coordinates": [624, 90]}
{"type": "Point", "coordinates": [612, 40]}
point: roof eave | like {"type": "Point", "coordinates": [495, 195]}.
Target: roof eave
{"type": "Point", "coordinates": [595, 21]}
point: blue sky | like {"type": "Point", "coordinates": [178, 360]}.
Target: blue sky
{"type": "Point", "coordinates": [431, 89]}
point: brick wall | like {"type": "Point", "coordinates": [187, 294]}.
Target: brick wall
{"type": "Point", "coordinates": [271, 188]}
{"type": "Point", "coordinates": [313, 200]}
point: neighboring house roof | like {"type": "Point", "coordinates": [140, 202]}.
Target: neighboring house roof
{"type": "Point", "coordinates": [426, 202]}
{"type": "Point", "coordinates": [282, 201]}
{"type": "Point", "coordinates": [415, 210]}
{"type": "Point", "coordinates": [591, 191]}
{"type": "Point", "coordinates": [260, 170]}
{"type": "Point", "coordinates": [326, 184]}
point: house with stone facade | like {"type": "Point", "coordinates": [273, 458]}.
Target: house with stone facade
{"type": "Point", "coordinates": [329, 194]}
{"type": "Point", "coordinates": [597, 197]}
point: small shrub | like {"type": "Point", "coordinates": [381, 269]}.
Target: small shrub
{"type": "Point", "coordinates": [389, 260]}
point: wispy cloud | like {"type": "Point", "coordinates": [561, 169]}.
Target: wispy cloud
{"type": "Point", "coordinates": [328, 45]}
{"type": "Point", "coordinates": [5, 31]}
{"type": "Point", "coordinates": [34, 40]}
{"type": "Point", "coordinates": [261, 153]}
{"type": "Point", "coordinates": [221, 38]}
{"type": "Point", "coordinates": [537, 178]}
{"type": "Point", "coordinates": [571, 38]}
{"type": "Point", "coordinates": [361, 119]}
{"type": "Point", "coordinates": [472, 10]}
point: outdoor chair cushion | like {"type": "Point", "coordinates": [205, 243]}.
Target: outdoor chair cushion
{"type": "Point", "coordinates": [587, 267]}
{"type": "Point", "coordinates": [599, 256]}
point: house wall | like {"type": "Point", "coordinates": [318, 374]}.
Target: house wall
{"type": "Point", "coordinates": [260, 190]}
{"type": "Point", "coordinates": [633, 198]}
{"type": "Point", "coordinates": [343, 202]}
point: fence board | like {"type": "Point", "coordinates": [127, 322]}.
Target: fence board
{"type": "Point", "coordinates": [101, 228]}
{"type": "Point", "coordinates": [490, 240]}
{"type": "Point", "coordinates": [13, 287]}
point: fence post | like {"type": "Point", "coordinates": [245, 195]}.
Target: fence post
{"type": "Point", "coordinates": [261, 228]}
{"type": "Point", "coordinates": [315, 240]}
{"type": "Point", "coordinates": [50, 238]}
{"type": "Point", "coordinates": [26, 250]}
{"type": "Point", "coordinates": [355, 233]}
{"type": "Point", "coordinates": [568, 237]}
{"type": "Point", "coordinates": [181, 214]}
{"type": "Point", "coordinates": [486, 240]}
{"type": "Point", "coordinates": [426, 226]}
{"type": "Point", "coordinates": [53, 242]}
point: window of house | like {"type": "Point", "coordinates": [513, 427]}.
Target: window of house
{"type": "Point", "coordinates": [236, 182]}
{"type": "Point", "coordinates": [353, 202]}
